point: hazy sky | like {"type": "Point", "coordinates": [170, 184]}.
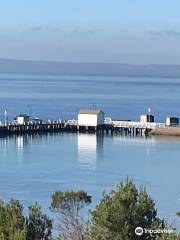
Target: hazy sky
{"type": "Point", "coordinates": [125, 31]}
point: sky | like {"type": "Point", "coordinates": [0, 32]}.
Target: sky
{"type": "Point", "coordinates": [121, 31]}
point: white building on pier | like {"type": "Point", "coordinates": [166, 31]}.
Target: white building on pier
{"type": "Point", "coordinates": [90, 117]}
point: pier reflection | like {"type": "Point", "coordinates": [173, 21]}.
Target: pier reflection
{"type": "Point", "coordinates": [20, 141]}
{"type": "Point", "coordinates": [90, 149]}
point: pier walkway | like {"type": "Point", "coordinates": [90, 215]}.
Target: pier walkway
{"type": "Point", "coordinates": [117, 126]}
{"type": "Point", "coordinates": [133, 124]}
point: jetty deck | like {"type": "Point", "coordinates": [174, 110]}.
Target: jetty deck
{"type": "Point", "coordinates": [121, 127]}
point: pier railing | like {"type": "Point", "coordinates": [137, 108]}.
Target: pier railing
{"type": "Point", "coordinates": [132, 124]}
{"type": "Point", "coordinates": [74, 122]}
{"type": "Point", "coordinates": [127, 127]}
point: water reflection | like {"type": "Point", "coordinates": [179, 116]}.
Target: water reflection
{"type": "Point", "coordinates": [20, 143]}
{"type": "Point", "coordinates": [33, 166]}
{"type": "Point", "coordinates": [148, 143]}
{"type": "Point", "coordinates": [3, 146]}
{"type": "Point", "coordinates": [16, 146]}
{"type": "Point", "coordinates": [19, 146]}
{"type": "Point", "coordinates": [90, 149]}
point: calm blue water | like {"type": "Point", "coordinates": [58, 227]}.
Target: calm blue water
{"type": "Point", "coordinates": [32, 167]}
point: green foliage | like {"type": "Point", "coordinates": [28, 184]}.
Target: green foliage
{"type": "Point", "coordinates": [38, 225]}
{"type": "Point", "coordinates": [70, 201]}
{"type": "Point", "coordinates": [12, 221]}
{"type": "Point", "coordinates": [120, 212]}
{"type": "Point", "coordinates": [68, 204]}
{"type": "Point", "coordinates": [115, 217]}
{"type": "Point", "coordinates": [168, 237]}
{"type": "Point", "coordinates": [14, 226]}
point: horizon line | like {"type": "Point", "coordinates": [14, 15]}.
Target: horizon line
{"type": "Point", "coordinates": [86, 62]}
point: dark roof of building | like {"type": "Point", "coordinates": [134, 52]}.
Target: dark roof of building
{"type": "Point", "coordinates": [90, 111]}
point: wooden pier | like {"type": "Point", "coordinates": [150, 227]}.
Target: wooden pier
{"type": "Point", "coordinates": [115, 127]}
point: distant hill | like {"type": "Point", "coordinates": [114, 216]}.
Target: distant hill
{"type": "Point", "coordinates": [91, 69]}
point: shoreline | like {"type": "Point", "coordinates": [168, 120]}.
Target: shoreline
{"type": "Point", "coordinates": [166, 131]}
